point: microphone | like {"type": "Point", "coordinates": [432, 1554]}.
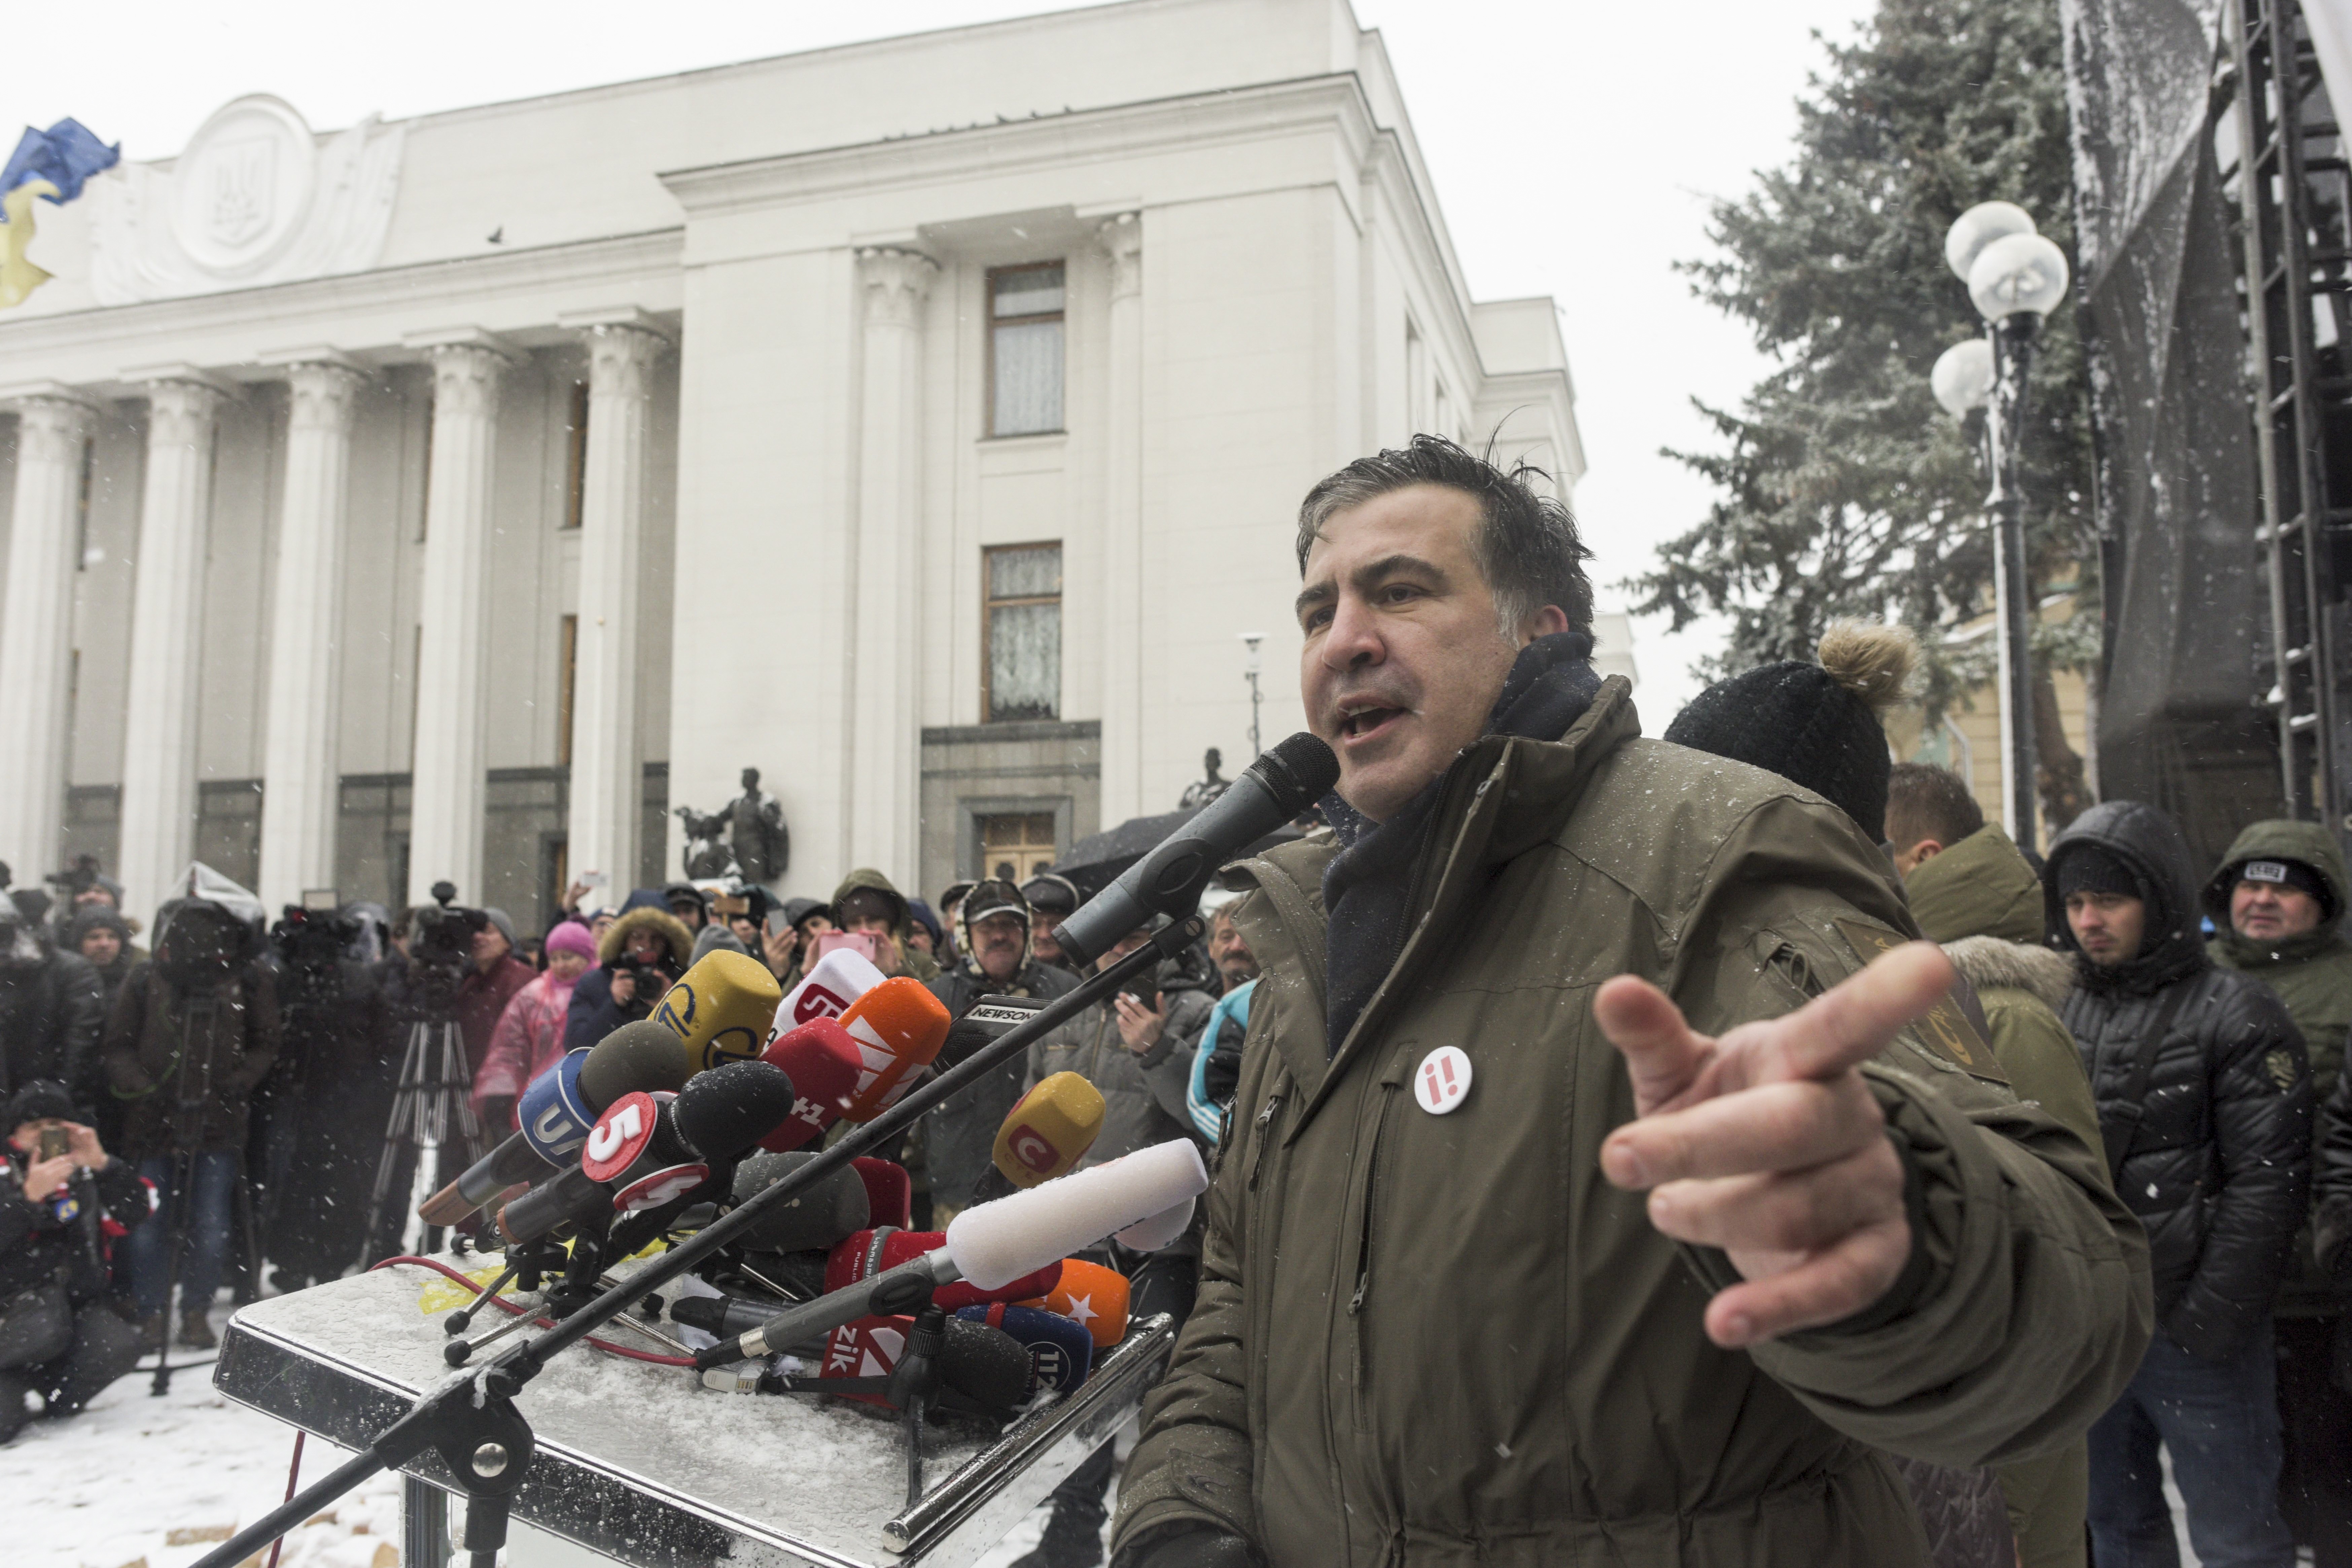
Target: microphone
{"type": "Point", "coordinates": [1013, 1237]}
{"type": "Point", "coordinates": [720, 1009]}
{"type": "Point", "coordinates": [890, 1191]}
{"type": "Point", "coordinates": [824, 1063]}
{"type": "Point", "coordinates": [834, 1208]}
{"type": "Point", "coordinates": [1151, 1235]}
{"type": "Point", "coordinates": [839, 979]}
{"type": "Point", "coordinates": [990, 1018]}
{"type": "Point", "coordinates": [1000, 1241]}
{"type": "Point", "coordinates": [644, 1152]}
{"type": "Point", "coordinates": [867, 1253]}
{"type": "Point", "coordinates": [1061, 1352]}
{"type": "Point", "coordinates": [898, 1027]}
{"type": "Point", "coordinates": [556, 1112]}
{"type": "Point", "coordinates": [1091, 1295]}
{"type": "Point", "coordinates": [1167, 882]}
{"type": "Point", "coordinates": [984, 1365]}
{"type": "Point", "coordinates": [1049, 1130]}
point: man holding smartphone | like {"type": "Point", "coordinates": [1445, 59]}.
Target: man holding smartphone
{"type": "Point", "coordinates": [868, 903]}
{"type": "Point", "coordinates": [58, 1338]}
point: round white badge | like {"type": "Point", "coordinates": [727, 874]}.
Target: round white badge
{"type": "Point", "coordinates": [1443, 1080]}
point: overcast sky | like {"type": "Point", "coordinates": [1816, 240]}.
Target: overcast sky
{"type": "Point", "coordinates": [1575, 145]}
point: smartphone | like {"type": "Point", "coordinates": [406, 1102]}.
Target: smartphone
{"type": "Point", "coordinates": [594, 879]}
{"type": "Point", "coordinates": [54, 1142]}
{"type": "Point", "coordinates": [865, 943]}
{"type": "Point", "coordinates": [777, 923]}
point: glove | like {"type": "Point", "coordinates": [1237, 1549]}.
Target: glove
{"type": "Point", "coordinates": [1188, 1546]}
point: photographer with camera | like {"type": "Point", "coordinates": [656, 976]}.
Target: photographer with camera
{"type": "Point", "coordinates": [57, 1183]}
{"type": "Point", "coordinates": [640, 956]}
{"type": "Point", "coordinates": [322, 1107]}
{"type": "Point", "coordinates": [193, 1034]}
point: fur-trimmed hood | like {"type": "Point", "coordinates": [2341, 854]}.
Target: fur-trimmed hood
{"type": "Point", "coordinates": [672, 931]}
{"type": "Point", "coordinates": [1989, 961]}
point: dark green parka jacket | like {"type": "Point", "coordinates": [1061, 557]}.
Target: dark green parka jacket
{"type": "Point", "coordinates": [1447, 1340]}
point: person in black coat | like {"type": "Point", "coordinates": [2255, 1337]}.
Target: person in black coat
{"type": "Point", "coordinates": [2204, 1102]}
{"type": "Point", "coordinates": [58, 1338]}
{"type": "Point", "coordinates": [51, 1009]}
{"type": "Point", "coordinates": [640, 956]}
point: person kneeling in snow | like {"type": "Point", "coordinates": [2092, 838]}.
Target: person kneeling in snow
{"type": "Point", "coordinates": [58, 1338]}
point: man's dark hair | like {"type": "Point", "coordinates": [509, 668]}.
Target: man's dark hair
{"type": "Point", "coordinates": [1526, 545]}
{"type": "Point", "coordinates": [1928, 802]}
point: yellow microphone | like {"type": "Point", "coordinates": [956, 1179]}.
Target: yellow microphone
{"type": "Point", "coordinates": [1050, 1130]}
{"type": "Point", "coordinates": [720, 1009]}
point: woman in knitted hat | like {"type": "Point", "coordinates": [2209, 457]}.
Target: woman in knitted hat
{"type": "Point", "coordinates": [530, 1033]}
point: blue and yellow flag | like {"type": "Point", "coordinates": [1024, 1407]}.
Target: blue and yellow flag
{"type": "Point", "coordinates": [52, 164]}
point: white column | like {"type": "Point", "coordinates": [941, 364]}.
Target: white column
{"type": "Point", "coordinates": [159, 751]}
{"type": "Point", "coordinates": [53, 428]}
{"type": "Point", "coordinates": [447, 786]}
{"type": "Point", "coordinates": [607, 773]}
{"type": "Point", "coordinates": [1121, 238]}
{"type": "Point", "coordinates": [301, 776]}
{"type": "Point", "coordinates": [884, 789]}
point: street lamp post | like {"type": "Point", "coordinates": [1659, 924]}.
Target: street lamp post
{"type": "Point", "coordinates": [2015, 277]}
{"type": "Point", "coordinates": [1249, 669]}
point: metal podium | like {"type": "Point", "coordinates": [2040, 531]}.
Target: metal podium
{"type": "Point", "coordinates": [643, 1465]}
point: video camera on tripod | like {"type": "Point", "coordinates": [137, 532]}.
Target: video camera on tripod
{"type": "Point", "coordinates": [440, 949]}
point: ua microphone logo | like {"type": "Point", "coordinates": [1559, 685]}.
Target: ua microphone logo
{"type": "Point", "coordinates": [1031, 1148]}
{"type": "Point", "coordinates": [1441, 1080]}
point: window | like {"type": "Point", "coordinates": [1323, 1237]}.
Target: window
{"type": "Point", "coordinates": [81, 508]}
{"type": "Point", "coordinates": [1025, 349]}
{"type": "Point", "coordinates": [567, 683]}
{"type": "Point", "coordinates": [575, 454]}
{"type": "Point", "coordinates": [1021, 631]}
{"type": "Point", "coordinates": [1016, 845]}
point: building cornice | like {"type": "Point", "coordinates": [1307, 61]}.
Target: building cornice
{"type": "Point", "coordinates": [287, 315]}
{"type": "Point", "coordinates": [1193, 122]}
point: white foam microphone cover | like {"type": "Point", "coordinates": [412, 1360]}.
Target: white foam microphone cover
{"type": "Point", "coordinates": [996, 1243]}
{"type": "Point", "coordinates": [1151, 1235]}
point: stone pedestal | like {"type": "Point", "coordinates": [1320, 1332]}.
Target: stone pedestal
{"type": "Point", "coordinates": [53, 429]}
{"type": "Point", "coordinates": [606, 764]}
{"type": "Point", "coordinates": [887, 644]}
{"type": "Point", "coordinates": [447, 777]}
{"type": "Point", "coordinates": [301, 777]}
{"type": "Point", "coordinates": [160, 717]}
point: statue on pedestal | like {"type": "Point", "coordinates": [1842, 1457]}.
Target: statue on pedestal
{"type": "Point", "coordinates": [745, 838]}
{"type": "Point", "coordinates": [1201, 792]}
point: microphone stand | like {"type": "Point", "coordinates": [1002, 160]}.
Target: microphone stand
{"type": "Point", "coordinates": [471, 1420]}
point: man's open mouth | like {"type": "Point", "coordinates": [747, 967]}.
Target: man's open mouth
{"type": "Point", "coordinates": [1367, 721]}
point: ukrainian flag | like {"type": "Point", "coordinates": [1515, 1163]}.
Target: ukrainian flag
{"type": "Point", "coordinates": [51, 164]}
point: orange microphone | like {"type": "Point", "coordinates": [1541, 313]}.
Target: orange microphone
{"type": "Point", "coordinates": [1090, 1294]}
{"type": "Point", "coordinates": [898, 1027]}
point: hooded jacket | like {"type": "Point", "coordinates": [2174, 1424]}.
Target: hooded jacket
{"type": "Point", "coordinates": [1448, 1340]}
{"type": "Point", "coordinates": [592, 1014]}
{"type": "Point", "coordinates": [2215, 1158]}
{"type": "Point", "coordinates": [50, 1017]}
{"type": "Point", "coordinates": [1982, 901]}
{"type": "Point", "coordinates": [2311, 974]}
{"type": "Point", "coordinates": [187, 1058]}
{"type": "Point", "coordinates": [865, 878]}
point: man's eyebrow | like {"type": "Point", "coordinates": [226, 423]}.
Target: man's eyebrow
{"type": "Point", "coordinates": [1314, 594]}
{"type": "Point", "coordinates": [1387, 566]}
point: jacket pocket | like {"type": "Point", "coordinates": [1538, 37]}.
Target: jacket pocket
{"type": "Point", "coordinates": [1360, 1292]}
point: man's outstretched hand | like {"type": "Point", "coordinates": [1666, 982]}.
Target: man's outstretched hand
{"type": "Point", "coordinates": [1767, 1145]}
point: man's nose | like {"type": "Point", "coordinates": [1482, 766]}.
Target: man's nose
{"type": "Point", "coordinates": [1354, 639]}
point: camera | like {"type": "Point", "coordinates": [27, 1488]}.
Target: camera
{"type": "Point", "coordinates": [440, 949]}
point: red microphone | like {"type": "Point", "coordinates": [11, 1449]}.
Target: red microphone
{"type": "Point", "coordinates": [869, 1252]}
{"type": "Point", "coordinates": [822, 1060]}
{"type": "Point", "coordinates": [890, 1191]}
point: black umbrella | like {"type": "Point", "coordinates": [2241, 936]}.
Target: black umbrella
{"type": "Point", "coordinates": [1094, 863]}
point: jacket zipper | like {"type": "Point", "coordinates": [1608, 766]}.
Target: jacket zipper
{"type": "Point", "coordinates": [1263, 1136]}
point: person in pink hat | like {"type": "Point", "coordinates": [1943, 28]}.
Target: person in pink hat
{"type": "Point", "coordinates": [530, 1035]}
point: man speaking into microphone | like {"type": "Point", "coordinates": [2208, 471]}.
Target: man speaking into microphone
{"type": "Point", "coordinates": [1590, 1195]}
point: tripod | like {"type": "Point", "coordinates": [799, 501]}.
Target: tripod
{"type": "Point", "coordinates": [431, 1096]}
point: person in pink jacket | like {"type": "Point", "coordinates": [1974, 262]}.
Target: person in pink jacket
{"type": "Point", "coordinates": [530, 1035]}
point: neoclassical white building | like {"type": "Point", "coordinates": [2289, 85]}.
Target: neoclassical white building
{"type": "Point", "coordinates": [922, 422]}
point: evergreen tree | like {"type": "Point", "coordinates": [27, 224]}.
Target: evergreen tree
{"type": "Point", "coordinates": [1844, 490]}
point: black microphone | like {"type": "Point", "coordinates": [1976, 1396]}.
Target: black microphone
{"type": "Point", "coordinates": [1169, 881]}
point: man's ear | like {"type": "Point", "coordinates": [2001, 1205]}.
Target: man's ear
{"type": "Point", "coordinates": [1542, 623]}
{"type": "Point", "coordinates": [1926, 849]}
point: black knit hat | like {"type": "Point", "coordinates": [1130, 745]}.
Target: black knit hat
{"type": "Point", "coordinates": [43, 1096]}
{"type": "Point", "coordinates": [1814, 724]}
{"type": "Point", "coordinates": [2095, 868]}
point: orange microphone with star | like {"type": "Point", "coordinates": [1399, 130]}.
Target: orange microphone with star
{"type": "Point", "coordinates": [1091, 1295]}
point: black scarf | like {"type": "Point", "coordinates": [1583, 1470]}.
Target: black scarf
{"type": "Point", "coordinates": [1368, 888]}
